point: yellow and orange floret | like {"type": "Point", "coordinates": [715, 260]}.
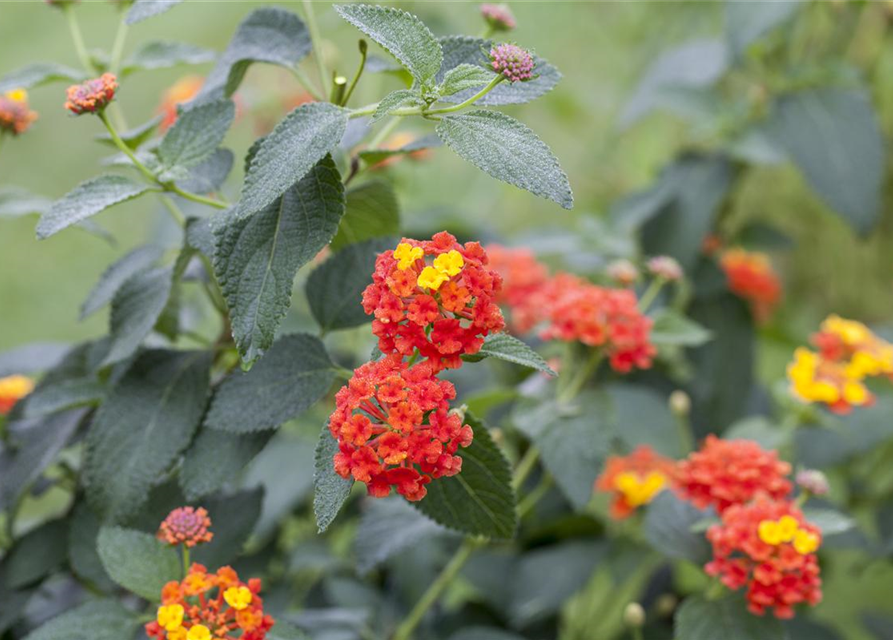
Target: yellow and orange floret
{"type": "Point", "coordinates": [634, 480]}
{"type": "Point", "coordinates": [13, 389]}
{"type": "Point", "coordinates": [179, 93]}
{"type": "Point", "coordinates": [15, 115]}
{"type": "Point", "coordinates": [847, 354]}
{"type": "Point", "coordinates": [751, 276]}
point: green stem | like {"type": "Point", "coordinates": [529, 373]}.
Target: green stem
{"type": "Point", "coordinates": [178, 216]}
{"type": "Point", "coordinates": [525, 465]}
{"type": "Point", "coordinates": [305, 81]}
{"type": "Point", "coordinates": [317, 45]}
{"type": "Point", "coordinates": [651, 293]}
{"type": "Point", "coordinates": [118, 48]}
{"type": "Point", "coordinates": [530, 500]}
{"type": "Point", "coordinates": [356, 78]}
{"type": "Point", "coordinates": [78, 39]}
{"type": "Point", "coordinates": [424, 111]}
{"type": "Point", "coordinates": [637, 633]}
{"type": "Point", "coordinates": [122, 146]}
{"type": "Point", "coordinates": [185, 560]}
{"type": "Point", "coordinates": [217, 204]}
{"type": "Point", "coordinates": [583, 374]}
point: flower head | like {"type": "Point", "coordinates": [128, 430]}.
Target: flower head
{"type": "Point", "coordinates": [623, 272]}
{"type": "Point", "coordinates": [768, 547]}
{"type": "Point", "coordinates": [665, 267]}
{"type": "Point", "coordinates": [93, 95]}
{"type": "Point", "coordinates": [435, 297]}
{"type": "Point", "coordinates": [751, 276]}
{"type": "Point", "coordinates": [813, 481]}
{"type": "Point", "coordinates": [15, 116]}
{"type": "Point", "coordinates": [181, 92]}
{"type": "Point", "coordinates": [498, 17]}
{"type": "Point", "coordinates": [865, 353]}
{"type": "Point", "coordinates": [815, 378]}
{"type": "Point", "coordinates": [634, 480]}
{"type": "Point", "coordinates": [394, 428]}
{"type": "Point", "coordinates": [724, 473]}
{"type": "Point", "coordinates": [13, 389]}
{"type": "Point", "coordinates": [522, 278]}
{"type": "Point", "coordinates": [187, 526]}
{"type": "Point", "coordinates": [514, 63]}
{"type": "Point", "coordinates": [211, 605]}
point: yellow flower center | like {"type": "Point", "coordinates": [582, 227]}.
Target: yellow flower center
{"type": "Point", "coordinates": [199, 632]}
{"type": "Point", "coordinates": [449, 263]}
{"type": "Point", "coordinates": [17, 95]}
{"type": "Point", "coordinates": [238, 597]}
{"type": "Point", "coordinates": [787, 529]}
{"type": "Point", "coordinates": [15, 387]}
{"type": "Point", "coordinates": [170, 617]}
{"type": "Point", "coordinates": [431, 278]}
{"type": "Point", "coordinates": [406, 255]}
{"type": "Point", "coordinates": [638, 490]}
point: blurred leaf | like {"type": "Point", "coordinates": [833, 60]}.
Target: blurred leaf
{"type": "Point", "coordinates": [209, 174]}
{"type": "Point", "coordinates": [196, 134]}
{"type": "Point", "coordinates": [727, 618]}
{"type": "Point", "coordinates": [880, 626]}
{"type": "Point", "coordinates": [802, 628]}
{"type": "Point", "coordinates": [87, 199]}
{"type": "Point", "coordinates": [36, 555]}
{"type": "Point", "coordinates": [234, 517]}
{"type": "Point", "coordinates": [284, 631]}
{"type": "Point", "coordinates": [290, 379]}
{"type": "Point", "coordinates": [505, 347]}
{"type": "Point", "coordinates": [757, 145]}
{"type": "Point", "coordinates": [672, 328]}
{"type": "Point", "coordinates": [95, 620]}
{"type": "Point", "coordinates": [116, 274]}
{"type": "Point", "coordinates": [479, 500]}
{"type": "Point", "coordinates": [330, 489]}
{"type": "Point", "coordinates": [82, 554]}
{"type": "Point", "coordinates": [373, 157]}
{"type": "Point", "coordinates": [830, 521]}
{"type": "Point", "coordinates": [257, 257]}
{"type": "Point", "coordinates": [162, 55]}
{"type": "Point", "coordinates": [484, 633]}
{"type": "Point", "coordinates": [834, 138]}
{"type": "Point", "coordinates": [746, 22]}
{"type": "Point", "coordinates": [32, 358]}
{"type": "Point", "coordinates": [138, 561]}
{"type": "Point", "coordinates": [401, 34]}
{"type": "Point", "coordinates": [507, 150]}
{"type": "Point", "coordinates": [214, 457]}
{"type": "Point", "coordinates": [16, 202]}
{"type": "Point", "coordinates": [388, 527]}
{"type": "Point", "coordinates": [133, 138]}
{"type": "Point", "coordinates": [37, 74]}
{"type": "Point", "coordinates": [763, 237]}
{"type": "Point", "coordinates": [396, 100]}
{"type": "Point", "coordinates": [136, 307]}
{"type": "Point", "coordinates": [760, 430]}
{"type": "Point", "coordinates": [142, 9]}
{"type": "Point", "coordinates": [66, 394]}
{"type": "Point", "coordinates": [642, 416]}
{"type": "Point", "coordinates": [372, 211]}
{"type": "Point", "coordinates": [669, 527]}
{"type": "Point", "coordinates": [465, 76]}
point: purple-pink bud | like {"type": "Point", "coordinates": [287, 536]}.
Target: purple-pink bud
{"type": "Point", "coordinates": [498, 17]}
{"type": "Point", "coordinates": [665, 267]}
{"type": "Point", "coordinates": [812, 481]}
{"type": "Point", "coordinates": [512, 62]}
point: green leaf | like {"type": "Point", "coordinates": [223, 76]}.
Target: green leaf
{"type": "Point", "coordinates": [830, 521]}
{"type": "Point", "coordinates": [672, 328]}
{"type": "Point", "coordinates": [33, 357]}
{"type": "Point", "coordinates": [234, 517]}
{"type": "Point", "coordinates": [16, 202]}
{"type": "Point", "coordinates": [464, 77]}
{"type": "Point", "coordinates": [136, 307]}
{"type": "Point", "coordinates": [96, 620]}
{"type": "Point", "coordinates": [388, 527]}
{"type": "Point", "coordinates": [159, 54]}
{"type": "Point", "coordinates": [833, 137]}
{"type": "Point", "coordinates": [727, 618]}
{"type": "Point", "coordinates": [509, 348]}
{"type": "Point", "coordinates": [642, 416]}
{"type": "Point", "coordinates": [138, 561]}
{"type": "Point", "coordinates": [209, 174]}
{"type": "Point", "coordinates": [143, 9]}
{"type": "Point", "coordinates": [117, 274]}
{"type": "Point", "coordinates": [214, 457]}
{"type": "Point", "coordinates": [670, 524]}
{"type": "Point", "coordinates": [373, 211]}
{"type": "Point", "coordinates": [257, 257]}
{"type": "Point", "coordinates": [269, 35]}
{"type": "Point", "coordinates": [458, 50]}
{"type": "Point", "coordinates": [133, 138]}
{"type": "Point", "coordinates": [147, 420]}
{"type": "Point", "coordinates": [401, 34]}
{"type": "Point", "coordinates": [507, 150]}
{"type": "Point", "coordinates": [330, 491]}
{"type": "Point", "coordinates": [290, 379]}
{"type": "Point", "coordinates": [479, 500]}
{"type": "Point", "coordinates": [36, 555]}
{"type": "Point", "coordinates": [65, 394]}
{"type": "Point", "coordinates": [284, 631]}
{"type": "Point", "coordinates": [288, 154]}
{"type": "Point", "coordinates": [196, 134]}
{"type": "Point", "coordinates": [335, 288]}
{"type": "Point", "coordinates": [484, 633]}
{"type": "Point", "coordinates": [397, 100]}
{"type": "Point", "coordinates": [87, 199]}
{"type": "Point", "coordinates": [82, 554]}
{"type": "Point", "coordinates": [374, 156]}
{"type": "Point", "coordinates": [37, 74]}
{"type": "Point", "coordinates": [748, 22]}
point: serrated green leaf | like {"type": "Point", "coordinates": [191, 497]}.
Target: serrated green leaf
{"type": "Point", "coordinates": [374, 156]}
{"type": "Point", "coordinates": [196, 134]}
{"type": "Point", "coordinates": [727, 618]}
{"type": "Point", "coordinates": [257, 257]}
{"type": "Point", "coordinates": [335, 288]}
{"type": "Point", "coordinates": [209, 174]}
{"type": "Point", "coordinates": [670, 528]}
{"type": "Point", "coordinates": [16, 202]}
{"type": "Point", "coordinates": [672, 328]}
{"type": "Point", "coordinates": [507, 150]}
{"type": "Point", "coordinates": [401, 34]}
{"type": "Point", "coordinates": [372, 211]}
{"type": "Point", "coordinates": [87, 199]}
{"type": "Point", "coordinates": [36, 555]}
{"type": "Point", "coordinates": [290, 379]}
{"type": "Point", "coordinates": [214, 457]}
{"type": "Point", "coordinates": [96, 620]}
{"type": "Point", "coordinates": [136, 307]}
{"type": "Point", "coordinates": [397, 100]}
{"type": "Point", "coordinates": [147, 420]}
{"type": "Point", "coordinates": [137, 561]}
{"type": "Point", "coordinates": [142, 9]}
{"type": "Point", "coordinates": [330, 490]}
{"type": "Point", "coordinates": [745, 22]}
{"type": "Point", "coordinates": [388, 527]}
{"type": "Point", "coordinates": [464, 77]}
{"type": "Point", "coordinates": [117, 274]}
{"type": "Point", "coordinates": [159, 54]}
{"type": "Point", "coordinates": [509, 348]}
{"type": "Point", "coordinates": [37, 74]}
{"type": "Point", "coordinates": [479, 500]}
{"type": "Point", "coordinates": [234, 517]}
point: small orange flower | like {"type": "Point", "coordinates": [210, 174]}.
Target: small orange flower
{"type": "Point", "coordinates": [751, 276]}
{"type": "Point", "coordinates": [181, 92]}
{"type": "Point", "coordinates": [187, 526]}
{"type": "Point", "coordinates": [13, 389]}
{"type": "Point", "coordinates": [93, 95]}
{"type": "Point", "coordinates": [15, 116]}
{"type": "Point", "coordinates": [634, 480]}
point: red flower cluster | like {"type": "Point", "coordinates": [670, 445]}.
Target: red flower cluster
{"type": "Point", "coordinates": [751, 276]}
{"type": "Point", "coordinates": [394, 427]}
{"type": "Point", "coordinates": [186, 525]}
{"type": "Point", "coordinates": [635, 479]}
{"type": "Point", "coordinates": [435, 298]}
{"type": "Point", "coordinates": [522, 278]}
{"type": "Point", "coordinates": [725, 473]}
{"type": "Point", "coordinates": [93, 95]}
{"type": "Point", "coordinates": [768, 547]}
{"type": "Point", "coordinates": [15, 115]}
{"type": "Point", "coordinates": [206, 606]}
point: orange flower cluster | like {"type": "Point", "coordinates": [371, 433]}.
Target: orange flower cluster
{"type": "Point", "coordinates": [93, 95]}
{"type": "Point", "coordinates": [15, 116]}
{"type": "Point", "coordinates": [751, 276]}
{"type": "Point", "coordinates": [181, 92]}
{"type": "Point", "coordinates": [435, 298]}
{"type": "Point", "coordinates": [206, 606]}
{"type": "Point", "coordinates": [768, 547]}
{"type": "Point", "coordinates": [522, 277]}
{"type": "Point", "coordinates": [13, 389]}
{"type": "Point", "coordinates": [635, 479]}
{"type": "Point", "coordinates": [187, 526]}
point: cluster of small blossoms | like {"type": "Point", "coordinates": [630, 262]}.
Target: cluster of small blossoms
{"type": "Point", "coordinates": [623, 272]}
{"type": "Point", "coordinates": [847, 353]}
{"type": "Point", "coordinates": [498, 17]}
{"type": "Point", "coordinates": [15, 115]}
{"type": "Point", "coordinates": [634, 480]}
{"type": "Point", "coordinates": [93, 95]}
{"type": "Point", "coordinates": [666, 268]}
{"type": "Point", "coordinates": [181, 92]}
{"type": "Point", "coordinates": [187, 526]}
{"type": "Point", "coordinates": [13, 389]}
{"type": "Point", "coordinates": [522, 278]}
{"type": "Point", "coordinates": [512, 62]}
{"type": "Point", "coordinates": [751, 276]}
{"type": "Point", "coordinates": [206, 606]}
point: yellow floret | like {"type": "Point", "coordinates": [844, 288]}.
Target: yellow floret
{"type": "Point", "coordinates": [170, 617]}
{"type": "Point", "coordinates": [638, 491]}
{"type": "Point", "coordinates": [431, 278]}
{"type": "Point", "coordinates": [16, 387]}
{"type": "Point", "coordinates": [449, 263]}
{"type": "Point", "coordinates": [406, 254]}
{"type": "Point", "coordinates": [199, 632]}
{"type": "Point", "coordinates": [237, 597]}
{"type": "Point", "coordinates": [849, 331]}
{"type": "Point", "coordinates": [787, 528]}
{"type": "Point", "coordinates": [17, 95]}
{"type": "Point", "coordinates": [770, 532]}
{"type": "Point", "coordinates": [805, 542]}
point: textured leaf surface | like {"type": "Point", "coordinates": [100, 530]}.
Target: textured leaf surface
{"type": "Point", "coordinates": [209, 174]}
{"type": "Point", "coordinates": [293, 376]}
{"type": "Point", "coordinates": [465, 77]}
{"type": "Point", "coordinates": [459, 50]}
{"type": "Point", "coordinates": [507, 150]}
{"type": "Point", "coordinates": [136, 307]}
{"type": "Point", "coordinates": [669, 524]}
{"type": "Point", "coordinates": [36, 555]}
{"type": "Point", "coordinates": [116, 274]}
{"type": "Point", "coordinates": [728, 618]}
{"type": "Point", "coordinates": [82, 554]}
{"type": "Point", "coordinates": [138, 561]}
{"type": "Point", "coordinates": [257, 257]}
{"type": "Point", "coordinates": [143, 9]}
{"type": "Point", "coordinates": [97, 620]}
{"type": "Point", "coordinates": [38, 74]}
{"type": "Point", "coordinates": [214, 457]}
{"type": "Point", "coordinates": [147, 420]}
{"type": "Point", "coordinates": [196, 134]}
{"type": "Point", "coordinates": [234, 517]}
{"type": "Point", "coordinates": [508, 348]}
{"type": "Point", "coordinates": [284, 631]}
{"type": "Point", "coordinates": [159, 54]}
{"type": "Point", "coordinates": [288, 154]}
{"type": "Point", "coordinates": [374, 156]}
{"type": "Point", "coordinates": [335, 288]}
{"type": "Point", "coordinates": [746, 22]}
{"type": "Point", "coordinates": [388, 527]}
{"type": "Point", "coordinates": [397, 100]}
{"type": "Point", "coordinates": [87, 199]}
{"type": "Point", "coordinates": [402, 34]}
{"type": "Point", "coordinates": [373, 211]}
{"type": "Point", "coordinates": [480, 499]}
{"type": "Point", "coordinates": [672, 328]}
{"type": "Point", "coordinates": [65, 394]}
{"type": "Point", "coordinates": [330, 489]}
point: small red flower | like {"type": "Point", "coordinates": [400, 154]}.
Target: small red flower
{"type": "Point", "coordinates": [751, 276]}
{"type": "Point", "coordinates": [93, 95]}
{"type": "Point", "coordinates": [15, 116]}
{"type": "Point", "coordinates": [634, 480]}
{"type": "Point", "coordinates": [187, 526]}
{"type": "Point", "coordinates": [724, 473]}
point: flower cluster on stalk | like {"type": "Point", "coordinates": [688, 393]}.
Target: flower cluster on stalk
{"type": "Point", "coordinates": [93, 95]}
{"type": "Point", "coordinates": [15, 115]}
{"type": "Point", "coordinates": [751, 276]}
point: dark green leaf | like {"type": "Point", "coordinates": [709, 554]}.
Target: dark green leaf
{"type": "Point", "coordinates": [330, 489]}
{"type": "Point", "coordinates": [215, 457]}
{"type": "Point", "coordinates": [96, 620]}
{"type": "Point", "coordinates": [746, 22]}
{"type": "Point", "coordinates": [284, 631]}
{"type": "Point", "coordinates": [669, 527]}
{"type": "Point", "coordinates": [36, 555]}
{"type": "Point", "coordinates": [82, 554]}
{"type": "Point", "coordinates": [728, 618]}
{"type": "Point", "coordinates": [397, 100]}
{"type": "Point", "coordinates": [672, 328]}
{"type": "Point", "coordinates": [31, 358]}
{"type": "Point", "coordinates": [830, 521]}
{"type": "Point", "coordinates": [257, 257]}
{"type": "Point", "coordinates": [479, 500]}
{"type": "Point", "coordinates": [119, 272]}
{"type": "Point", "coordinates": [642, 416]}
{"type": "Point", "coordinates": [196, 134]}
{"type": "Point", "coordinates": [65, 394]}
{"type": "Point", "coordinates": [373, 211]}
{"type": "Point", "coordinates": [464, 77]}
{"type": "Point", "coordinates": [375, 156]}
{"type": "Point", "coordinates": [210, 174]}
{"type": "Point", "coordinates": [162, 55]}
{"type": "Point", "coordinates": [234, 517]}
{"type": "Point", "coordinates": [148, 419]}
{"type": "Point", "coordinates": [142, 9]}
{"type": "Point", "coordinates": [138, 561]}
{"type": "Point", "coordinates": [402, 34]}
{"type": "Point", "coordinates": [510, 349]}
{"type": "Point", "coordinates": [507, 150]}
{"type": "Point", "coordinates": [136, 307]}
{"type": "Point", "coordinates": [388, 527]}
{"type": "Point", "coordinates": [38, 74]}
{"type": "Point", "coordinates": [482, 633]}
{"type": "Point", "coordinates": [87, 199]}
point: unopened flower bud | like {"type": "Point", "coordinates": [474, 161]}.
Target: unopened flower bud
{"type": "Point", "coordinates": [813, 481]}
{"type": "Point", "coordinates": [623, 272]}
{"type": "Point", "coordinates": [665, 267]}
{"type": "Point", "coordinates": [498, 17]}
{"type": "Point", "coordinates": [634, 615]}
{"type": "Point", "coordinates": [513, 62]}
{"type": "Point", "coordinates": [666, 604]}
{"type": "Point", "coordinates": [93, 95]}
{"type": "Point", "coordinates": [680, 403]}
